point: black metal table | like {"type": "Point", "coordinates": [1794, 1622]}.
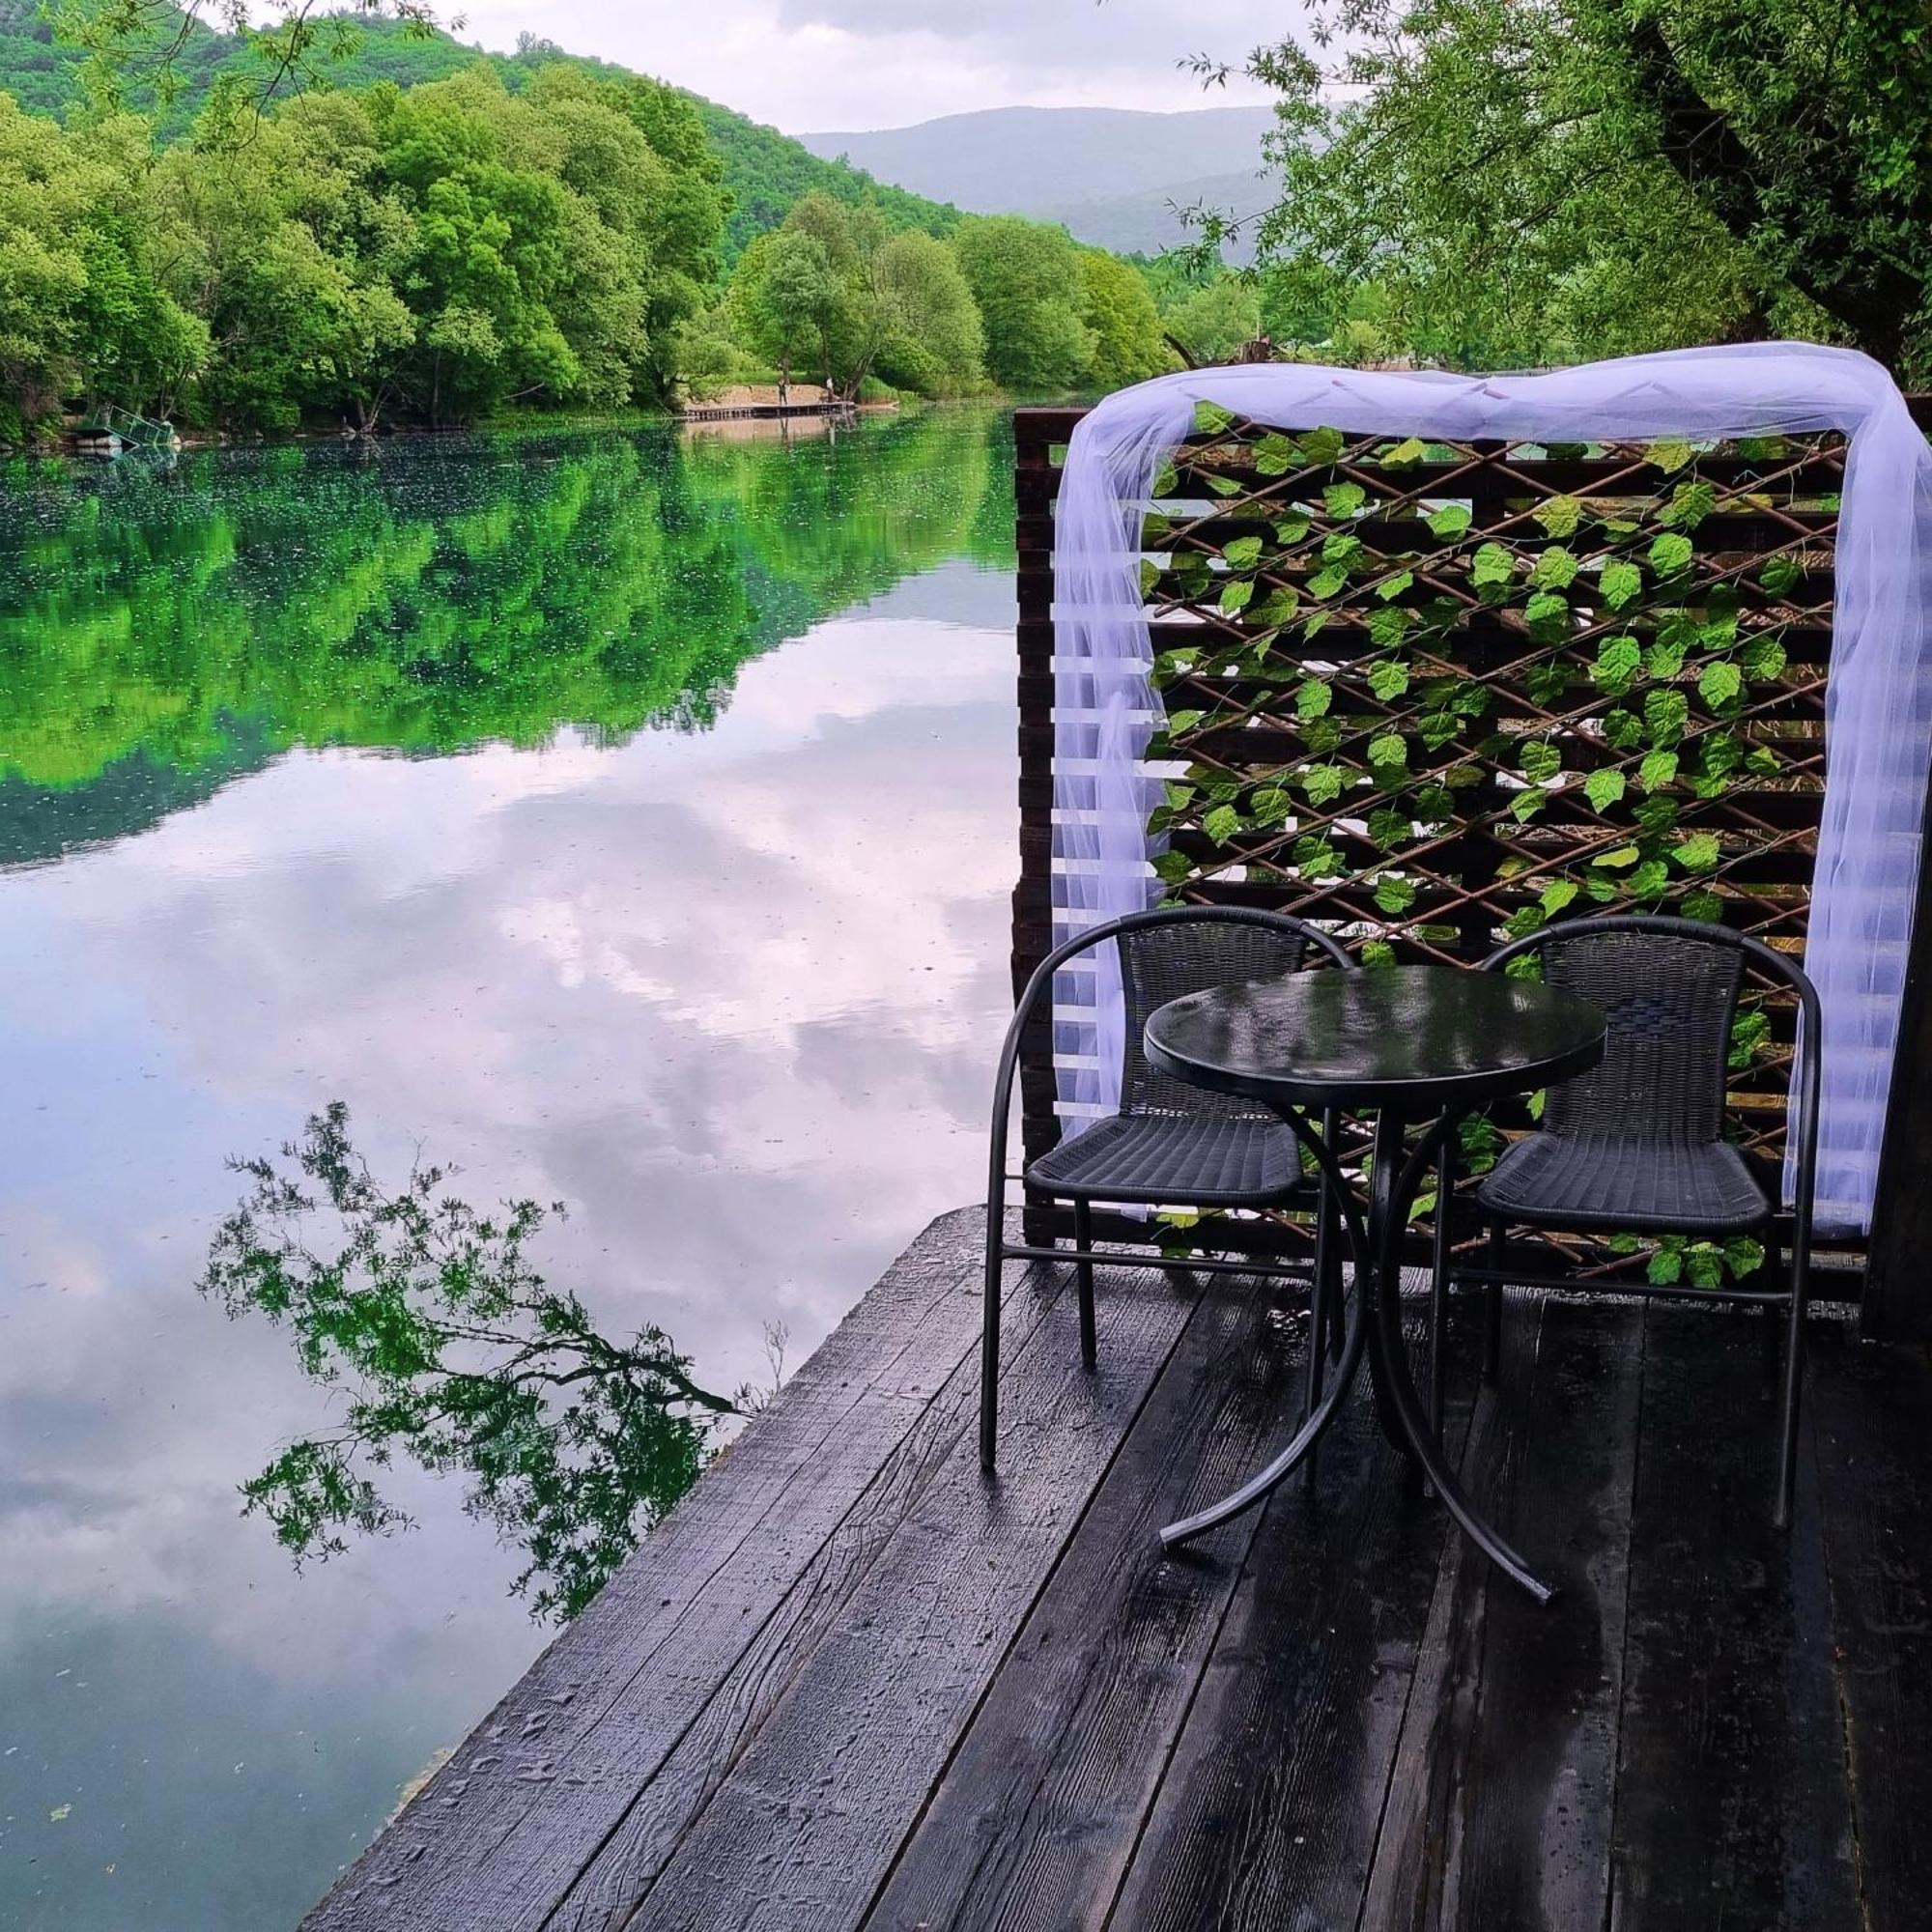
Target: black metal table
{"type": "Point", "coordinates": [1416, 1044]}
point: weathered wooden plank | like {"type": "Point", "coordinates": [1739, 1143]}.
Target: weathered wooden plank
{"type": "Point", "coordinates": [497, 1835]}
{"type": "Point", "coordinates": [1500, 1805]}
{"type": "Point", "coordinates": [1870, 1414]}
{"type": "Point", "coordinates": [1269, 1808]}
{"type": "Point", "coordinates": [815, 1803]}
{"type": "Point", "coordinates": [1732, 1813]}
{"type": "Point", "coordinates": [1040, 1809]}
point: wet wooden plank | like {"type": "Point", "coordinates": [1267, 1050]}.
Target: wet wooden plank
{"type": "Point", "coordinates": [803, 1824]}
{"type": "Point", "coordinates": [1268, 1812]}
{"type": "Point", "coordinates": [802, 1500]}
{"type": "Point", "coordinates": [1872, 1421]}
{"type": "Point", "coordinates": [1040, 1807]}
{"type": "Point", "coordinates": [1732, 1813]}
{"type": "Point", "coordinates": [1500, 1807]}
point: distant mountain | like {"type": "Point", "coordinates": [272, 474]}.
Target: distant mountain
{"type": "Point", "coordinates": [1109, 174]}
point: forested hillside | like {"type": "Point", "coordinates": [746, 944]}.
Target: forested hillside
{"type": "Point", "coordinates": [406, 229]}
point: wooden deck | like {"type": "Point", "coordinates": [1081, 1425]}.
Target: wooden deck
{"type": "Point", "coordinates": [848, 1685]}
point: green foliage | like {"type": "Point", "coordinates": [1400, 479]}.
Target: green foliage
{"type": "Point", "coordinates": [1211, 322]}
{"type": "Point", "coordinates": [443, 1344]}
{"type": "Point", "coordinates": [1545, 183]}
{"type": "Point", "coordinates": [1028, 283]}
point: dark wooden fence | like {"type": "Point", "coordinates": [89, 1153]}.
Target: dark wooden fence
{"type": "Point", "coordinates": [1432, 695]}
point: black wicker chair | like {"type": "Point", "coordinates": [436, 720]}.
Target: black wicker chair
{"type": "Point", "coordinates": [1170, 1145]}
{"type": "Point", "coordinates": [1636, 1144]}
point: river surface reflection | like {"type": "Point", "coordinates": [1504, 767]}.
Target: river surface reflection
{"type": "Point", "coordinates": [624, 820]}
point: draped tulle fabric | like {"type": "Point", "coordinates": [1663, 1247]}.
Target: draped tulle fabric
{"type": "Point", "coordinates": [1878, 703]}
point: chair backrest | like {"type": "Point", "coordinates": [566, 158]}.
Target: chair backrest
{"type": "Point", "coordinates": [1159, 963]}
{"type": "Point", "coordinates": [1670, 990]}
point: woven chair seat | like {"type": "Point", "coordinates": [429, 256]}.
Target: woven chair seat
{"type": "Point", "coordinates": [1599, 1180]}
{"type": "Point", "coordinates": [1208, 1161]}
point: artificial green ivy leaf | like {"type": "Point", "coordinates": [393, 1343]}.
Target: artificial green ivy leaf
{"type": "Point", "coordinates": [1541, 760]}
{"type": "Point", "coordinates": [1342, 548]}
{"type": "Point", "coordinates": [1764, 658]}
{"type": "Point", "coordinates": [1556, 895]}
{"type": "Point", "coordinates": [1344, 499]}
{"type": "Point", "coordinates": [1323, 445]}
{"type": "Point", "coordinates": [1450, 520]}
{"type": "Point", "coordinates": [1292, 529]}
{"type": "Point", "coordinates": [1704, 1264]}
{"type": "Point", "coordinates": [1616, 860]}
{"type": "Point", "coordinates": [1212, 419]}
{"type": "Point", "coordinates": [1670, 453]}
{"type": "Point", "coordinates": [1312, 698]}
{"type": "Point", "coordinates": [1743, 1256]}
{"type": "Point", "coordinates": [1520, 924]}
{"type": "Point", "coordinates": [1700, 852]}
{"type": "Point", "coordinates": [1388, 627]}
{"type": "Point", "coordinates": [1525, 804]}
{"type": "Point", "coordinates": [1670, 553]}
{"type": "Point", "coordinates": [1555, 569]}
{"type": "Point", "coordinates": [1388, 751]}
{"type": "Point", "coordinates": [1243, 553]}
{"type": "Point", "coordinates": [1394, 895]}
{"type": "Point", "coordinates": [1275, 455]}
{"type": "Point", "coordinates": [1666, 1267]}
{"type": "Point", "coordinates": [1548, 612]}
{"type": "Point", "coordinates": [1658, 770]}
{"type": "Point", "coordinates": [1271, 805]}
{"type": "Point", "coordinates": [1618, 661]}
{"type": "Point", "coordinates": [1172, 866]}
{"type": "Point", "coordinates": [1183, 721]}
{"type": "Point", "coordinates": [1622, 583]}
{"type": "Point", "coordinates": [1720, 683]}
{"type": "Point", "coordinates": [1387, 826]}
{"type": "Point", "coordinates": [1410, 451]}
{"type": "Point", "coordinates": [1167, 480]}
{"type": "Point", "coordinates": [1650, 879]}
{"type": "Point", "coordinates": [1377, 953]}
{"type": "Point", "coordinates": [1388, 680]}
{"type": "Point", "coordinates": [1665, 715]}
{"type": "Point", "coordinates": [1560, 516]}
{"type": "Point", "coordinates": [1436, 728]}
{"type": "Point", "coordinates": [1221, 824]}
{"type": "Point", "coordinates": [1604, 789]}
{"type": "Point", "coordinates": [1236, 596]}
{"type": "Point", "coordinates": [1392, 587]}
{"type": "Point", "coordinates": [1707, 906]}
{"type": "Point", "coordinates": [1179, 796]}
{"type": "Point", "coordinates": [1317, 859]}
{"type": "Point", "coordinates": [1492, 566]}
{"type": "Point", "coordinates": [1322, 784]}
{"type": "Point", "coordinates": [1688, 505]}
{"type": "Point", "coordinates": [1779, 573]}
{"type": "Point", "coordinates": [1222, 486]}
{"type": "Point", "coordinates": [1150, 577]}
{"type": "Point", "coordinates": [1325, 583]}
{"type": "Point", "coordinates": [1546, 682]}
{"type": "Point", "coordinates": [1433, 802]}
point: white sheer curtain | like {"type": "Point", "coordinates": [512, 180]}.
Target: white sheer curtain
{"type": "Point", "coordinates": [1878, 703]}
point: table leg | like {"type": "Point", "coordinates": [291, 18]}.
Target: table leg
{"type": "Point", "coordinates": [1358, 1339]}
{"type": "Point", "coordinates": [1397, 1183]}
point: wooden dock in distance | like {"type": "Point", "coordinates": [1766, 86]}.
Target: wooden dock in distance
{"type": "Point", "coordinates": [847, 1684]}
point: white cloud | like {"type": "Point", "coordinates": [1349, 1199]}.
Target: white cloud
{"type": "Point", "coordinates": [812, 64]}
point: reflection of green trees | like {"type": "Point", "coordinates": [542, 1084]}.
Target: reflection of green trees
{"type": "Point", "coordinates": [437, 595]}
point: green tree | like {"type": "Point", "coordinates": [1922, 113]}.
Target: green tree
{"type": "Point", "coordinates": [1118, 307]}
{"type": "Point", "coordinates": [1589, 175]}
{"type": "Point", "coordinates": [1211, 322]}
{"type": "Point", "coordinates": [934, 342]}
{"type": "Point", "coordinates": [451, 1349]}
{"type": "Point", "coordinates": [785, 298]}
{"type": "Point", "coordinates": [1028, 284]}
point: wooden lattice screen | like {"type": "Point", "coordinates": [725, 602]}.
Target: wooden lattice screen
{"type": "Point", "coordinates": [1432, 695]}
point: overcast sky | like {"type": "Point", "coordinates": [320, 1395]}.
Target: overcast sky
{"type": "Point", "coordinates": [809, 66]}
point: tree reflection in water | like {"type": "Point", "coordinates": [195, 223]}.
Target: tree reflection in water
{"type": "Point", "coordinates": [453, 1352]}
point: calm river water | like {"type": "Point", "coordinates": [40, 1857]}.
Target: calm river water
{"type": "Point", "coordinates": [625, 818]}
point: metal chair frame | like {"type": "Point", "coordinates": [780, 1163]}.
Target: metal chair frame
{"type": "Point", "coordinates": [1323, 1272]}
{"type": "Point", "coordinates": [1794, 1298]}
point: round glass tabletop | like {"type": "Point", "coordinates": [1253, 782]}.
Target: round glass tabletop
{"type": "Point", "coordinates": [1420, 1038]}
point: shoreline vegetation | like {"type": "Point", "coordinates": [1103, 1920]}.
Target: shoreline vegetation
{"type": "Point", "coordinates": [400, 232]}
